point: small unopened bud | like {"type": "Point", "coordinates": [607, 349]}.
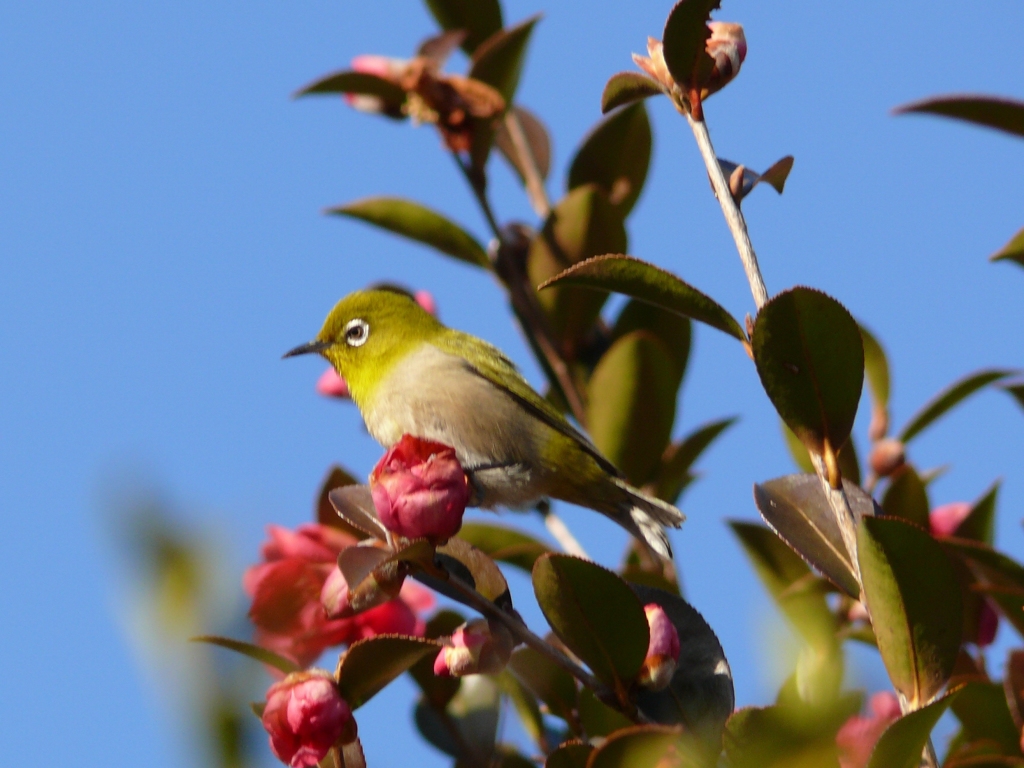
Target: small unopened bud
{"type": "Point", "coordinates": [887, 455]}
{"type": "Point", "coordinates": [662, 651]}
{"type": "Point", "coordinates": [728, 47]}
{"type": "Point", "coordinates": [305, 716]}
{"type": "Point", "coordinates": [947, 518]}
{"type": "Point", "coordinates": [476, 648]}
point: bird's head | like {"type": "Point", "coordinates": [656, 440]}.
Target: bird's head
{"type": "Point", "coordinates": [366, 333]}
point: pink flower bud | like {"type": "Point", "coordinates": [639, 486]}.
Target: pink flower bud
{"type": "Point", "coordinates": [858, 736]}
{"type": "Point", "coordinates": [728, 47]}
{"type": "Point", "coordinates": [330, 384]}
{"type": "Point", "coordinates": [476, 648]}
{"type": "Point", "coordinates": [662, 651]}
{"type": "Point", "coordinates": [305, 716]}
{"type": "Point", "coordinates": [887, 456]}
{"type": "Point", "coordinates": [420, 490]}
{"type": "Point", "coordinates": [947, 518]}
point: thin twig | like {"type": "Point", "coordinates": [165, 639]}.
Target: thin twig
{"type": "Point", "coordinates": [561, 533]}
{"type": "Point", "coordinates": [528, 165]}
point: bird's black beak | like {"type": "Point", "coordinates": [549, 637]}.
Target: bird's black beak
{"type": "Point", "coordinates": [305, 349]}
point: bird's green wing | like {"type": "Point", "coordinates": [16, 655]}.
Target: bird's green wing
{"type": "Point", "coordinates": [490, 362]}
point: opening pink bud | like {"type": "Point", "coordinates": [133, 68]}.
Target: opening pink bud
{"type": "Point", "coordinates": [947, 518]}
{"type": "Point", "coordinates": [305, 716]}
{"type": "Point", "coordinates": [662, 651]}
{"type": "Point", "coordinates": [420, 490]}
{"type": "Point", "coordinates": [477, 648]}
{"type": "Point", "coordinates": [334, 595]}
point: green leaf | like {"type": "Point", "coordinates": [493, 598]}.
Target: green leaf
{"type": "Point", "coordinates": [914, 599]}
{"type": "Point", "coordinates": [474, 712]}
{"type": "Point", "coordinates": [876, 367]}
{"type": "Point", "coordinates": [478, 18]}
{"type": "Point", "coordinates": [548, 682]}
{"type": "Point", "coordinates": [1016, 391]}
{"type": "Point", "coordinates": [1001, 578]}
{"type": "Point", "coordinates": [526, 707]}
{"type": "Point", "coordinates": [369, 665]}
{"type": "Point", "coordinates": [982, 709]}
{"type": "Point", "coordinates": [625, 88]}
{"type": "Point", "coordinates": [354, 82]}
{"type": "Point", "coordinates": [416, 222]}
{"type": "Point", "coordinates": [684, 40]}
{"type": "Point", "coordinates": [787, 735]}
{"type": "Point", "coordinates": [537, 142]}
{"type": "Point", "coordinates": [484, 574]}
{"type": "Point", "coordinates": [596, 615]}
{"type": "Point", "coordinates": [901, 744]}
{"type": "Point", "coordinates": [597, 718]}
{"type": "Point", "coordinates": [797, 450]}
{"type": "Point", "coordinates": [581, 225]}
{"type": "Point", "coordinates": [645, 746]}
{"type": "Point", "coordinates": [795, 508]}
{"type": "Point", "coordinates": [269, 658]}
{"type": "Point", "coordinates": [980, 523]}
{"type": "Point", "coordinates": [988, 111]}
{"type": "Point", "coordinates": [570, 754]}
{"type": "Point", "coordinates": [672, 330]}
{"type": "Point", "coordinates": [954, 394]}
{"type": "Point", "coordinates": [615, 156]}
{"type": "Point", "coordinates": [674, 472]}
{"type": "Point", "coordinates": [700, 694]}
{"type": "Point", "coordinates": [636, 278]}
{"type": "Point", "coordinates": [498, 60]}
{"type": "Point", "coordinates": [907, 498]}
{"type": "Point", "coordinates": [1012, 251]}
{"type": "Point", "coordinates": [789, 581]}
{"type": "Point", "coordinates": [809, 356]}
{"type": "Point", "coordinates": [632, 404]}
{"type": "Point", "coordinates": [503, 544]}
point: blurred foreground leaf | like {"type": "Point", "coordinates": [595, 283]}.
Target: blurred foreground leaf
{"type": "Point", "coordinates": [954, 394]}
{"type": "Point", "coordinates": [252, 651]}
{"type": "Point", "coordinates": [625, 88]}
{"type": "Point", "coordinates": [1012, 251]}
{"type": "Point", "coordinates": [902, 742]}
{"type": "Point", "coordinates": [615, 156]}
{"type": "Point", "coordinates": [498, 60]}
{"type": "Point", "coordinates": [907, 498]}
{"type": "Point", "coordinates": [504, 544]}
{"type": "Point", "coordinates": [478, 18]}
{"type": "Point", "coordinates": [988, 111]}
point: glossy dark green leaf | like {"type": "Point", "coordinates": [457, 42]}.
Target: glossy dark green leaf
{"type": "Point", "coordinates": [525, 704]}
{"type": "Point", "coordinates": [673, 330]}
{"type": "Point", "coordinates": [538, 144]}
{"type": "Point", "coordinates": [795, 508]}
{"type": "Point", "coordinates": [632, 404]}
{"type": "Point", "coordinates": [914, 599]}
{"type": "Point", "coordinates": [581, 225]}
{"type": "Point", "coordinates": [354, 505]}
{"type": "Point", "coordinates": [789, 581]}
{"type": "Point", "coordinates": [625, 88]}
{"type": "Point", "coordinates": [548, 682]}
{"type": "Point", "coordinates": [876, 368]}
{"type": "Point", "coordinates": [636, 278]}
{"type": "Point", "coordinates": [354, 82]}
{"type": "Point", "coordinates": [252, 651]}
{"type": "Point", "coordinates": [416, 222]}
{"type": "Point", "coordinates": [678, 459]}
{"type": "Point", "coordinates": [907, 498]}
{"type": "Point", "coordinates": [596, 615]}
{"type": "Point", "coordinates": [901, 744]}
{"type": "Point", "coordinates": [1012, 251]}
{"type": "Point", "coordinates": [478, 18]}
{"type": "Point", "coordinates": [775, 176]}
{"type": "Point", "coordinates": [498, 60]}
{"type": "Point", "coordinates": [369, 665]}
{"type": "Point", "coordinates": [809, 356]}
{"type": "Point", "coordinates": [685, 38]}
{"type": "Point", "coordinates": [645, 746]}
{"type": "Point", "coordinates": [485, 575]}
{"type": "Point", "coordinates": [980, 523]}
{"type": "Point", "coordinates": [504, 544]}
{"type": "Point", "coordinates": [988, 111]}
{"type": "Point", "coordinates": [571, 754]}
{"type": "Point", "coordinates": [615, 156]}
{"type": "Point", "coordinates": [984, 713]}
{"type": "Point", "coordinates": [700, 694]}
{"type": "Point", "coordinates": [954, 394]}
{"type": "Point", "coordinates": [326, 514]}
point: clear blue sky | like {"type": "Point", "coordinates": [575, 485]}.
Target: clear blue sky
{"type": "Point", "coordinates": [162, 246]}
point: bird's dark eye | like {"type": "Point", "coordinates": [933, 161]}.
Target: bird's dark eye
{"type": "Point", "coordinates": [356, 332]}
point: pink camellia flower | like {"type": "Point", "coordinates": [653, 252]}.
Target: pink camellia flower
{"type": "Point", "coordinates": [305, 716]}
{"type": "Point", "coordinates": [858, 736]}
{"type": "Point", "coordinates": [476, 648]}
{"type": "Point", "coordinates": [947, 518]}
{"type": "Point", "coordinates": [662, 651]}
{"type": "Point", "coordinates": [420, 490]}
{"type": "Point", "coordinates": [286, 596]}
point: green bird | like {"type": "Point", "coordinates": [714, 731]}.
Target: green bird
{"type": "Point", "coordinates": [409, 374]}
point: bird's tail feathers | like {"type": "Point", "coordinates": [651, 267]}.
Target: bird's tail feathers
{"type": "Point", "coordinates": [650, 515]}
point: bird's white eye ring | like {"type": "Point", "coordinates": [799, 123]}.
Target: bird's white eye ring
{"type": "Point", "coordinates": [357, 332]}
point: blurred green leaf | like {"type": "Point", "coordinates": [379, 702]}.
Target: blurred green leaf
{"type": "Point", "coordinates": [684, 40]}
{"type": "Point", "coordinates": [504, 544]}
{"type": "Point", "coordinates": [980, 523]}
{"type": "Point", "coordinates": [596, 615]}
{"type": "Point", "coordinates": [437, 690]}
{"type": "Point", "coordinates": [570, 754]}
{"type": "Point", "coordinates": [632, 404]}
{"type": "Point", "coordinates": [548, 682]}
{"type": "Point", "coordinates": [907, 498]}
{"type": "Point", "coordinates": [1000, 577]}
{"type": "Point", "coordinates": [876, 368]}
{"type": "Point", "coordinates": [795, 508]}
{"type": "Point", "coordinates": [988, 111]}
{"type": "Point", "coordinates": [777, 737]}
{"type": "Point", "coordinates": [672, 330]}
{"type": "Point", "coordinates": [354, 82]}
{"type": "Point", "coordinates": [486, 577]}
{"type": "Point", "coordinates": [797, 450]}
{"type": "Point", "coordinates": [982, 709]}
{"type": "Point", "coordinates": [416, 222]}
{"type": "Point", "coordinates": [526, 707]}
{"type": "Point", "coordinates": [625, 88]}
{"type": "Point", "coordinates": [369, 665]}
{"type": "Point", "coordinates": [914, 599]}
{"type": "Point", "coordinates": [1016, 391]}
{"type": "Point", "coordinates": [478, 18]}
{"type": "Point", "coordinates": [644, 746]}
{"type": "Point", "coordinates": [1012, 251]}
{"type": "Point", "coordinates": [809, 356]}
{"type": "Point", "coordinates": [537, 142]}
{"type": "Point", "coordinates": [901, 744]}
{"type": "Point", "coordinates": [615, 156]}
{"type": "Point", "coordinates": [1013, 685]}
{"type": "Point", "coordinates": [581, 225]}
{"type": "Point", "coordinates": [954, 394]}
{"type": "Point", "coordinates": [498, 60]}
{"type": "Point", "coordinates": [252, 651]}
{"type": "Point", "coordinates": [597, 718]}
{"type": "Point", "coordinates": [677, 460]}
{"type": "Point", "coordinates": [473, 712]}
{"type": "Point", "coordinates": [636, 278]}
{"type": "Point", "coordinates": [431, 725]}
